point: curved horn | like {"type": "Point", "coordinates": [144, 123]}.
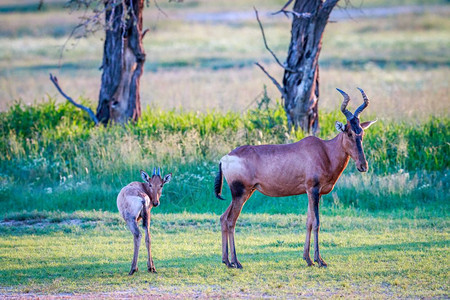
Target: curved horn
{"type": "Point", "coordinates": [154, 171]}
{"type": "Point", "coordinates": [344, 109]}
{"type": "Point", "coordinates": [159, 172]}
{"type": "Point", "coordinates": [364, 105]}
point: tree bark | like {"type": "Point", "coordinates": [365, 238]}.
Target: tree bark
{"type": "Point", "coordinates": [301, 75]}
{"type": "Point", "coordinates": [123, 63]}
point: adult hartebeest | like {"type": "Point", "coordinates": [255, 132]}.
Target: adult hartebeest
{"type": "Point", "coordinates": [134, 203]}
{"type": "Point", "coordinates": [310, 166]}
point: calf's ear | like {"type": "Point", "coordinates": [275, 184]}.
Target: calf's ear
{"type": "Point", "coordinates": [167, 178]}
{"type": "Point", "coordinates": [145, 176]}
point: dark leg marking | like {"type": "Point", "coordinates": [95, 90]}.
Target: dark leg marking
{"type": "Point", "coordinates": [237, 189]}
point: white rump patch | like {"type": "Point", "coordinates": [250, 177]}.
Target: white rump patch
{"type": "Point", "coordinates": [232, 165]}
{"type": "Point", "coordinates": [132, 205]}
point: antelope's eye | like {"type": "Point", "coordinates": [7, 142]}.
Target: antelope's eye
{"type": "Point", "coordinates": [150, 185]}
{"type": "Point", "coordinates": [350, 134]}
{"type": "Point", "coordinates": [161, 185]}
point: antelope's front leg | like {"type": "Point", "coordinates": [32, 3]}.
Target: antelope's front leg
{"type": "Point", "coordinates": [316, 226]}
{"type": "Point", "coordinates": [309, 223]}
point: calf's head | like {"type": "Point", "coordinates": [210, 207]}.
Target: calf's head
{"type": "Point", "coordinates": [353, 131]}
{"type": "Point", "coordinates": [155, 184]}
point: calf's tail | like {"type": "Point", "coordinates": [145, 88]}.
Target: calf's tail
{"type": "Point", "coordinates": [144, 214]}
{"type": "Point", "coordinates": [218, 183]}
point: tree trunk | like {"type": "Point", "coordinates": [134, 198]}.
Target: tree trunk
{"type": "Point", "coordinates": [301, 76]}
{"type": "Point", "coordinates": [123, 62]}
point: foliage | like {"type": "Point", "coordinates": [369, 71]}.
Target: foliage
{"type": "Point", "coordinates": [52, 158]}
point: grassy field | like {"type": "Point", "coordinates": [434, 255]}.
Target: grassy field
{"type": "Point", "coordinates": [61, 235]}
{"type": "Point", "coordinates": [90, 253]}
{"type": "Point", "coordinates": [385, 233]}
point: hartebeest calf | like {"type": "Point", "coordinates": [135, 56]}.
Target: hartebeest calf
{"type": "Point", "coordinates": [134, 203]}
{"type": "Point", "coordinates": [310, 166]}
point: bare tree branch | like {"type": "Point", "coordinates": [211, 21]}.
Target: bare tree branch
{"type": "Point", "coordinates": [275, 82]}
{"type": "Point", "coordinates": [145, 32]}
{"type": "Point", "coordinates": [294, 13]}
{"type": "Point", "coordinates": [86, 109]}
{"type": "Point", "coordinates": [283, 8]}
{"type": "Point", "coordinates": [267, 46]}
{"type": "Point", "coordinates": [94, 20]}
{"type": "Point", "coordinates": [328, 6]}
{"type": "Point", "coordinates": [159, 8]}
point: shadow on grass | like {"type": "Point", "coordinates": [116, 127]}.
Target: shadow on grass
{"type": "Point", "coordinates": [332, 248]}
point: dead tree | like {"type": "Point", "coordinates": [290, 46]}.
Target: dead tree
{"type": "Point", "coordinates": [123, 63]}
{"type": "Point", "coordinates": [300, 89]}
{"type": "Point", "coordinates": [123, 57]}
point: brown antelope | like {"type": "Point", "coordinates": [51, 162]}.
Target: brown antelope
{"type": "Point", "coordinates": [310, 166]}
{"type": "Point", "coordinates": [134, 203]}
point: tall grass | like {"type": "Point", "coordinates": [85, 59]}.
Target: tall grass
{"type": "Point", "coordinates": [52, 158]}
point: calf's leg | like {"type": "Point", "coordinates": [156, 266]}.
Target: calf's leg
{"type": "Point", "coordinates": [150, 265]}
{"type": "Point", "coordinates": [133, 226]}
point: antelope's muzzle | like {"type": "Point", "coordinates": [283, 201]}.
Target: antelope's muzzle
{"type": "Point", "coordinates": [362, 167]}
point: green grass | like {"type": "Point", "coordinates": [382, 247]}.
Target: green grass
{"type": "Point", "coordinates": [89, 252]}
{"type": "Point", "coordinates": [384, 233]}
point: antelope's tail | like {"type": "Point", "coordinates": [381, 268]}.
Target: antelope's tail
{"type": "Point", "coordinates": [218, 183]}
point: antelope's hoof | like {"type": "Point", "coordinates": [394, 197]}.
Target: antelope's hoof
{"type": "Point", "coordinates": [308, 261]}
{"type": "Point", "coordinates": [236, 265]}
{"type": "Point", "coordinates": [321, 263]}
{"type": "Point", "coordinates": [133, 271]}
{"type": "Point", "coordinates": [227, 263]}
{"type": "Point", "coordinates": [152, 270]}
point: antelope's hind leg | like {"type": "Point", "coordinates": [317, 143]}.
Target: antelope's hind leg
{"type": "Point", "coordinates": [133, 226]}
{"type": "Point", "coordinates": [240, 195]}
{"type": "Point", "coordinates": [223, 223]}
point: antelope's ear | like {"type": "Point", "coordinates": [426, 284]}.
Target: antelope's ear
{"type": "Point", "coordinates": [339, 126]}
{"type": "Point", "coordinates": [167, 178]}
{"type": "Point", "coordinates": [366, 125]}
{"type": "Point", "coordinates": [145, 176]}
